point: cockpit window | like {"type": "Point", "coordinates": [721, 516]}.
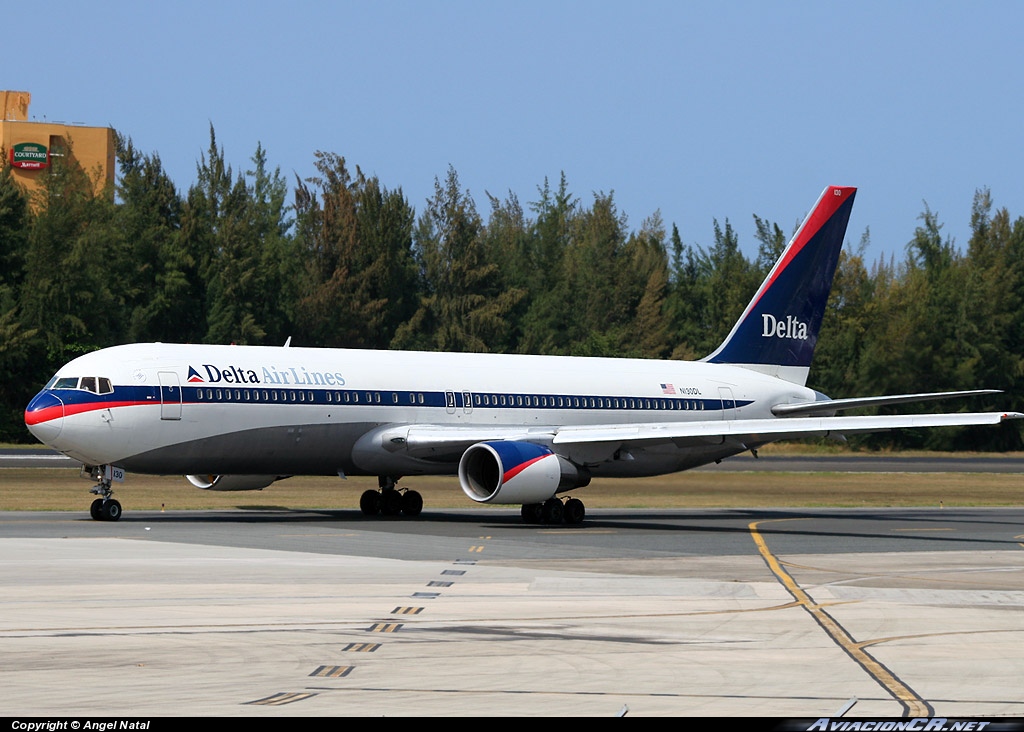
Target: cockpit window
{"type": "Point", "coordinates": [95, 384]}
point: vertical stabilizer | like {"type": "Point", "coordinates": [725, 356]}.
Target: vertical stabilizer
{"type": "Point", "coordinates": [779, 329]}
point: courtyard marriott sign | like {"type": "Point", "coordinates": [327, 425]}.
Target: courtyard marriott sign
{"type": "Point", "coordinates": [30, 155]}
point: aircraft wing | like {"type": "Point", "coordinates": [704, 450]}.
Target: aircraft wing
{"type": "Point", "coordinates": [759, 431]}
{"type": "Point", "coordinates": [443, 441]}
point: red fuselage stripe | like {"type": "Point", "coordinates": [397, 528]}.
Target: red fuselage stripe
{"type": "Point", "coordinates": [38, 416]}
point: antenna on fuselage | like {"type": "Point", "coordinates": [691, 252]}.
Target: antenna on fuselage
{"type": "Point", "coordinates": [288, 342]}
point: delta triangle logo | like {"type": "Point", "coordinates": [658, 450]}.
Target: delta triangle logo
{"type": "Point", "coordinates": [194, 377]}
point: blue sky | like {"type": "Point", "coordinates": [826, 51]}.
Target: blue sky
{"type": "Point", "coordinates": [697, 110]}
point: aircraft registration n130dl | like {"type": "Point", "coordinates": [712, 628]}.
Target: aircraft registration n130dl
{"type": "Point", "coordinates": [516, 429]}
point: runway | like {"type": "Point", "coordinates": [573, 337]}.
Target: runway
{"type": "Point", "coordinates": [470, 612]}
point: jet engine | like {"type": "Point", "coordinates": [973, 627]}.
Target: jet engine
{"type": "Point", "coordinates": [231, 482]}
{"type": "Point", "coordinates": [516, 472]}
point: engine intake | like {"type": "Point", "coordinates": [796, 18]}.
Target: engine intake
{"type": "Point", "coordinates": [516, 472]}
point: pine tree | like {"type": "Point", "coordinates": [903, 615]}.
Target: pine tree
{"type": "Point", "coordinates": [464, 306]}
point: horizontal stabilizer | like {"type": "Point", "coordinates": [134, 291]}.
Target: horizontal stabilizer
{"type": "Point", "coordinates": [828, 407]}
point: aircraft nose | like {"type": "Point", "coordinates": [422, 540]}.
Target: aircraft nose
{"type": "Point", "coordinates": [44, 417]}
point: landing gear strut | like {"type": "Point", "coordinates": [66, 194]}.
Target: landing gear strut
{"type": "Point", "coordinates": [103, 508]}
{"type": "Point", "coordinates": [553, 511]}
{"type": "Point", "coordinates": [390, 500]}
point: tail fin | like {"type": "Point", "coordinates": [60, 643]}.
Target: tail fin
{"type": "Point", "coordinates": [778, 331]}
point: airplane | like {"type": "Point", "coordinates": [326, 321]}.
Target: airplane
{"type": "Point", "coordinates": [515, 429]}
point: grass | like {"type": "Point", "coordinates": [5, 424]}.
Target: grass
{"type": "Point", "coordinates": [61, 489]}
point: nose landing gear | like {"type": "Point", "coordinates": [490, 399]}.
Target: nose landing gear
{"type": "Point", "coordinates": [103, 508]}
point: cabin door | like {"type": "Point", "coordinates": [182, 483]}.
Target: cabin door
{"type": "Point", "coordinates": [728, 402]}
{"type": "Point", "coordinates": [170, 395]}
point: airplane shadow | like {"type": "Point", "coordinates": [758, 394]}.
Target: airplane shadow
{"type": "Point", "coordinates": [907, 527]}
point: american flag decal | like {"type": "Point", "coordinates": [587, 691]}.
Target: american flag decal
{"type": "Point", "coordinates": [668, 389]}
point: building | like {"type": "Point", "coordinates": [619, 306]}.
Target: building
{"type": "Point", "coordinates": [29, 146]}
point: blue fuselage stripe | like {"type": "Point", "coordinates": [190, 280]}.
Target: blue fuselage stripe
{"type": "Point", "coordinates": [452, 400]}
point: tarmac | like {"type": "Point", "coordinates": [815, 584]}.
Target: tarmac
{"type": "Point", "coordinates": [469, 613]}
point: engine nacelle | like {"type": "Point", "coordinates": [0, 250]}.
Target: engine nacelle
{"type": "Point", "coordinates": [516, 472]}
{"type": "Point", "coordinates": [231, 482]}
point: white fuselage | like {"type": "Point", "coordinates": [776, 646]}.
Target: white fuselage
{"type": "Point", "coordinates": [290, 411]}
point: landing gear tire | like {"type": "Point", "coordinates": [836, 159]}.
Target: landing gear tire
{"type": "Point", "coordinates": [533, 513]}
{"type": "Point", "coordinates": [574, 511]}
{"type": "Point", "coordinates": [412, 503]}
{"type": "Point", "coordinates": [111, 510]}
{"type": "Point", "coordinates": [553, 511]}
{"type": "Point", "coordinates": [369, 503]}
{"type": "Point", "coordinates": [96, 510]}
{"type": "Point", "coordinates": [391, 502]}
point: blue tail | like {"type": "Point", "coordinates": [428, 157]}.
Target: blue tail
{"type": "Point", "coordinates": [778, 331]}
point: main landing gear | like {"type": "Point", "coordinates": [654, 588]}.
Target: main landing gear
{"type": "Point", "coordinates": [390, 500]}
{"type": "Point", "coordinates": [553, 511]}
{"type": "Point", "coordinates": [103, 508]}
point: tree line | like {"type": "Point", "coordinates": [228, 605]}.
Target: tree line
{"type": "Point", "coordinates": [341, 260]}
